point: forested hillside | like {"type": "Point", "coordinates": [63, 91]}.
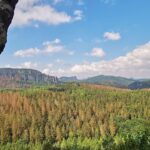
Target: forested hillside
{"type": "Point", "coordinates": [74, 117]}
{"type": "Point", "coordinates": [120, 82]}
{"type": "Point", "coordinates": [140, 85]}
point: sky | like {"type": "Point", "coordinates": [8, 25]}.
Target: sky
{"type": "Point", "coordinates": [80, 38]}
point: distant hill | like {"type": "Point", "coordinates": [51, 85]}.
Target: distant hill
{"type": "Point", "coordinates": [110, 81]}
{"type": "Point", "coordinates": [68, 79]}
{"type": "Point", "coordinates": [16, 78]}
{"type": "Point", "coordinates": [139, 85]}
{"type": "Point", "coordinates": [24, 77]}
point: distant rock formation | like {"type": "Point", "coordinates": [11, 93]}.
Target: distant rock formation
{"type": "Point", "coordinates": [7, 8]}
{"type": "Point", "coordinates": [15, 78]}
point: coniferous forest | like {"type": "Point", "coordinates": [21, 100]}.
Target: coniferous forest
{"type": "Point", "coordinates": [74, 117]}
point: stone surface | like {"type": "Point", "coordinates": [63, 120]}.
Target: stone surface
{"type": "Point", "coordinates": [6, 14]}
{"type": "Point", "coordinates": [24, 78]}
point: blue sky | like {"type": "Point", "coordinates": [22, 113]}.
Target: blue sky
{"type": "Point", "coordinates": [80, 37]}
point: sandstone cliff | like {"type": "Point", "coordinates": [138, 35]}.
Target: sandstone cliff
{"type": "Point", "coordinates": [13, 78]}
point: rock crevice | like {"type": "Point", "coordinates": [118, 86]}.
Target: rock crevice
{"type": "Point", "coordinates": [7, 8]}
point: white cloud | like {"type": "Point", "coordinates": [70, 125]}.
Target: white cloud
{"type": "Point", "coordinates": [78, 15]}
{"type": "Point", "coordinates": [58, 72]}
{"type": "Point", "coordinates": [133, 64]}
{"type": "Point", "coordinates": [97, 52]}
{"type": "Point", "coordinates": [25, 4]}
{"type": "Point", "coordinates": [46, 71]}
{"type": "Point", "coordinates": [37, 13]}
{"type": "Point", "coordinates": [29, 65]}
{"type": "Point", "coordinates": [49, 47]}
{"type": "Point", "coordinates": [27, 53]}
{"type": "Point", "coordinates": [32, 11]}
{"type": "Point", "coordinates": [112, 36]}
{"type": "Point", "coordinates": [50, 65]}
{"type": "Point", "coordinates": [53, 47]}
{"type": "Point", "coordinates": [57, 41]}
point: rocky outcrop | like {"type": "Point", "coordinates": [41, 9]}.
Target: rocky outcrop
{"type": "Point", "coordinates": [24, 78]}
{"type": "Point", "coordinates": [6, 14]}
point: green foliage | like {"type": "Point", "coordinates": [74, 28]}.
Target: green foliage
{"type": "Point", "coordinates": [79, 117]}
{"type": "Point", "coordinates": [110, 80]}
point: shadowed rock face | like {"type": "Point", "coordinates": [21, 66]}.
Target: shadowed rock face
{"type": "Point", "coordinates": [6, 14]}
